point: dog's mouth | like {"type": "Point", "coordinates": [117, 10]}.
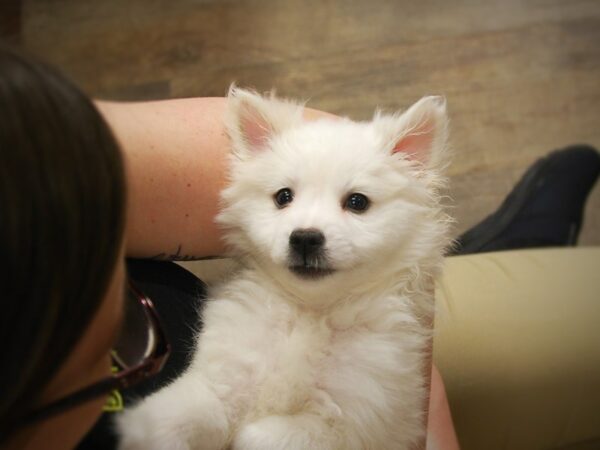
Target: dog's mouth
{"type": "Point", "coordinates": [311, 272]}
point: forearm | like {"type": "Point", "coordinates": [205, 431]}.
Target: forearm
{"type": "Point", "coordinates": [176, 155]}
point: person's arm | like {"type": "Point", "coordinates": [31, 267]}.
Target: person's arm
{"type": "Point", "coordinates": [176, 155]}
{"type": "Point", "coordinates": [440, 427]}
{"type": "Point", "coordinates": [176, 152]}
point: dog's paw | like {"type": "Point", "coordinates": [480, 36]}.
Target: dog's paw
{"type": "Point", "coordinates": [283, 433]}
{"type": "Point", "coordinates": [158, 430]}
{"type": "Point", "coordinates": [179, 417]}
{"type": "Point", "coordinates": [143, 429]}
{"type": "Point", "coordinates": [264, 434]}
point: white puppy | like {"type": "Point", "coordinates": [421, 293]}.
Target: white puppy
{"type": "Point", "coordinates": [321, 341]}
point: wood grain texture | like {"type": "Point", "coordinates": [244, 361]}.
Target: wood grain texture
{"type": "Point", "coordinates": [10, 20]}
{"type": "Point", "coordinates": [521, 78]}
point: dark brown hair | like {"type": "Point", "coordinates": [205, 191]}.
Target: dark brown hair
{"type": "Point", "coordinates": [62, 212]}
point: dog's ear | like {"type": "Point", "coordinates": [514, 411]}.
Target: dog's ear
{"type": "Point", "coordinates": [252, 120]}
{"type": "Point", "coordinates": [420, 132]}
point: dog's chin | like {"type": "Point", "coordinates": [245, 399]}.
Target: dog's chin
{"type": "Point", "coordinates": [311, 272]}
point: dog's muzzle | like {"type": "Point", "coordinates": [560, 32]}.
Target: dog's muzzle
{"type": "Point", "coordinates": [307, 253]}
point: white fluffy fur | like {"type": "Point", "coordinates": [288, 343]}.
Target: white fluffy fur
{"type": "Point", "coordinates": [285, 362]}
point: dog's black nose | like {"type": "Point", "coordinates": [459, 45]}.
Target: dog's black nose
{"type": "Point", "coordinates": [307, 242]}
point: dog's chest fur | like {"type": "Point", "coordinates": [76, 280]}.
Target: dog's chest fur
{"type": "Point", "coordinates": [362, 354]}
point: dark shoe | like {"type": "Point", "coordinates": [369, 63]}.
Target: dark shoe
{"type": "Point", "coordinates": [545, 209]}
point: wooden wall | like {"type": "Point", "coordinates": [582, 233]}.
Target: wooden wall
{"type": "Point", "coordinates": [521, 77]}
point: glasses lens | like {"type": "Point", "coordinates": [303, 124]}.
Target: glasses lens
{"type": "Point", "coordinates": [137, 338]}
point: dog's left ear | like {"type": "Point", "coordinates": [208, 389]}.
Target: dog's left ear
{"type": "Point", "coordinates": [420, 132]}
{"type": "Point", "coordinates": [253, 120]}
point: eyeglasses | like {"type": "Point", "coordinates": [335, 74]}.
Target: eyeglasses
{"type": "Point", "coordinates": [141, 352]}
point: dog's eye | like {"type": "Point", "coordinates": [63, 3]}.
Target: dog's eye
{"type": "Point", "coordinates": [283, 197]}
{"type": "Point", "coordinates": [357, 202]}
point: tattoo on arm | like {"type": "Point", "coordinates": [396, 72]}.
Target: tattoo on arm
{"type": "Point", "coordinates": [178, 256]}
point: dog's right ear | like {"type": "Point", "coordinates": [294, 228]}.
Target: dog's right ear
{"type": "Point", "coordinates": [253, 120]}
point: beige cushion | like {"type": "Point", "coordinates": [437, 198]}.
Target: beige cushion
{"type": "Point", "coordinates": [518, 344]}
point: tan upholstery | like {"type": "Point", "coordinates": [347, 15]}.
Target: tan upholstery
{"type": "Point", "coordinates": [518, 344]}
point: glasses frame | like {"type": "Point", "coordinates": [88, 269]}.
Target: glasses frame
{"type": "Point", "coordinates": [126, 378]}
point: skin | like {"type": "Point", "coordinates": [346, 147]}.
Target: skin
{"type": "Point", "coordinates": [175, 173]}
{"type": "Point", "coordinates": [440, 429]}
{"type": "Point", "coordinates": [176, 157]}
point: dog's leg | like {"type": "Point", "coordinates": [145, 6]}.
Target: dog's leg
{"type": "Point", "coordinates": [297, 432]}
{"type": "Point", "coordinates": [186, 415]}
